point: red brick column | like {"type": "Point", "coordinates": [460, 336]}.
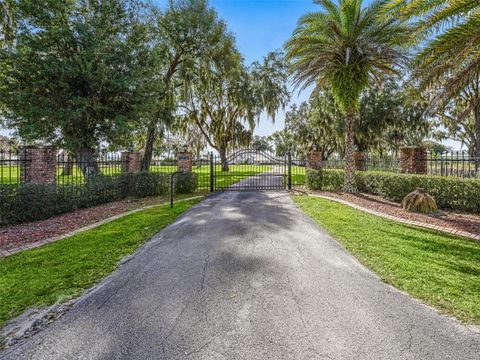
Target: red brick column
{"type": "Point", "coordinates": [359, 157]}
{"type": "Point", "coordinates": [413, 160]}
{"type": "Point", "coordinates": [131, 161]}
{"type": "Point", "coordinates": [314, 160]}
{"type": "Point", "coordinates": [40, 166]}
{"type": "Point", "coordinates": [185, 161]}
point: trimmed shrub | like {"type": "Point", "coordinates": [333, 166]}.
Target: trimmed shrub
{"type": "Point", "coordinates": [324, 179]}
{"type": "Point", "coordinates": [29, 202]}
{"type": "Point", "coordinates": [144, 184]}
{"type": "Point", "coordinates": [185, 183]}
{"type": "Point", "coordinates": [449, 192]}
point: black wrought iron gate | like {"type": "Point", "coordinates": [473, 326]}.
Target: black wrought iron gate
{"type": "Point", "coordinates": [250, 170]}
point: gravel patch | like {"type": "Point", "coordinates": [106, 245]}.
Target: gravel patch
{"type": "Point", "coordinates": [447, 219]}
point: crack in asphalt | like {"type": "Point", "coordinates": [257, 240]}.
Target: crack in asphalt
{"type": "Point", "coordinates": [247, 276]}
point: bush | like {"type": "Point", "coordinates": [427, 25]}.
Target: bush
{"type": "Point", "coordinates": [449, 192]}
{"type": "Point", "coordinates": [29, 202]}
{"type": "Point", "coordinates": [186, 183]}
{"type": "Point", "coordinates": [324, 179]}
{"type": "Point", "coordinates": [144, 184]}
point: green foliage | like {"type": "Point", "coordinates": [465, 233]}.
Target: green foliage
{"type": "Point", "coordinates": [448, 61]}
{"type": "Point", "coordinates": [318, 122]}
{"type": "Point", "coordinates": [226, 95]}
{"type": "Point", "coordinates": [449, 192]}
{"type": "Point", "coordinates": [79, 71]}
{"type": "Point", "coordinates": [64, 269]}
{"type": "Point", "coordinates": [144, 184]}
{"type": "Point", "coordinates": [346, 48]}
{"type": "Point", "coordinates": [324, 179]}
{"type": "Point", "coordinates": [186, 183]}
{"type": "Point", "coordinates": [439, 269]}
{"type": "Point", "coordinates": [390, 117]}
{"type": "Point", "coordinates": [29, 202]}
{"type": "Point", "coordinates": [313, 179]}
{"type": "Point", "coordinates": [261, 143]}
{"type": "Point", "coordinates": [8, 22]}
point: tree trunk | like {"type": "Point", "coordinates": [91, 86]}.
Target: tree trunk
{"type": "Point", "coordinates": [87, 162]}
{"type": "Point", "coordinates": [477, 139]}
{"type": "Point", "coordinates": [349, 179]}
{"type": "Point", "coordinates": [67, 165]}
{"type": "Point", "coordinates": [148, 153]}
{"type": "Point", "coordinates": [223, 159]}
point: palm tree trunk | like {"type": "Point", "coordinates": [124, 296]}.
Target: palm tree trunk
{"type": "Point", "coordinates": [223, 159]}
{"type": "Point", "coordinates": [349, 179]}
{"type": "Point", "coordinates": [477, 138]}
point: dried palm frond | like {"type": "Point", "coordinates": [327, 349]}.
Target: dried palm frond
{"type": "Point", "coordinates": [419, 201]}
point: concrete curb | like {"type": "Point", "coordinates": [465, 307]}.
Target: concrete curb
{"type": "Point", "coordinates": [402, 220]}
{"type": "Point", "coordinates": [5, 253]}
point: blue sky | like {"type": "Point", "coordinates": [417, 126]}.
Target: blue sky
{"type": "Point", "coordinates": [260, 27]}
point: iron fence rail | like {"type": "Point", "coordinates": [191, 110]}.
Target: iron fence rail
{"type": "Point", "coordinates": [12, 166]}
{"type": "Point", "coordinates": [247, 163]}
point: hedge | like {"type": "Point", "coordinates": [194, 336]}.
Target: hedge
{"type": "Point", "coordinates": [30, 202]}
{"type": "Point", "coordinates": [449, 192]}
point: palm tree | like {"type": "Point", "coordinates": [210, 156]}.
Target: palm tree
{"type": "Point", "coordinates": [449, 63]}
{"type": "Point", "coordinates": [346, 47]}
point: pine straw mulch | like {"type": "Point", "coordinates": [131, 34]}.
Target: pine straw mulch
{"type": "Point", "coordinates": [16, 235]}
{"type": "Point", "coordinates": [447, 219]}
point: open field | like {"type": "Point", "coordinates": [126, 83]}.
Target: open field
{"type": "Point", "coordinates": [11, 174]}
{"type": "Point", "coordinates": [439, 269]}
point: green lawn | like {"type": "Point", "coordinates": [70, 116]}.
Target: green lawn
{"type": "Point", "coordinates": [10, 174]}
{"type": "Point", "coordinates": [298, 175]}
{"type": "Point", "coordinates": [62, 270]}
{"type": "Point", "coordinates": [441, 270]}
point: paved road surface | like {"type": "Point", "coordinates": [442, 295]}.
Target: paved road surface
{"type": "Point", "coordinates": [247, 276]}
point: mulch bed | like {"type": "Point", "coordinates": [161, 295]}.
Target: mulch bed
{"type": "Point", "coordinates": [453, 220]}
{"type": "Point", "coordinates": [16, 235]}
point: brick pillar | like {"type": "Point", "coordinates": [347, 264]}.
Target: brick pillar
{"type": "Point", "coordinates": [131, 161]}
{"type": "Point", "coordinates": [413, 160]}
{"type": "Point", "coordinates": [185, 161]}
{"type": "Point", "coordinates": [360, 163]}
{"type": "Point", "coordinates": [314, 160]}
{"type": "Point", "coordinates": [40, 165]}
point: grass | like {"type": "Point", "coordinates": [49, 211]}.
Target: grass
{"type": "Point", "coordinates": [10, 174]}
{"type": "Point", "coordinates": [64, 269]}
{"type": "Point", "coordinates": [439, 269]}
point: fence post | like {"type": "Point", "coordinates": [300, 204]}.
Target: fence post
{"type": "Point", "coordinates": [185, 161]}
{"type": "Point", "coordinates": [413, 160]}
{"type": "Point", "coordinates": [315, 160]}
{"type": "Point", "coordinates": [40, 164]}
{"type": "Point", "coordinates": [131, 161]}
{"type": "Point", "coordinates": [212, 177]}
{"type": "Point", "coordinates": [289, 173]}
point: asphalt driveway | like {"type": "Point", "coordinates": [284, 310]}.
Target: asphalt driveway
{"type": "Point", "coordinates": [247, 276]}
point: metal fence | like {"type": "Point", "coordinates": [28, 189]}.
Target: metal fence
{"type": "Point", "coordinates": [453, 163]}
{"type": "Point", "coordinates": [70, 170]}
{"type": "Point", "coordinates": [458, 164]}
{"type": "Point", "coordinates": [12, 165]}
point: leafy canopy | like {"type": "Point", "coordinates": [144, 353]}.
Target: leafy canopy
{"type": "Point", "coordinates": [346, 47]}
{"type": "Point", "coordinates": [78, 71]}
